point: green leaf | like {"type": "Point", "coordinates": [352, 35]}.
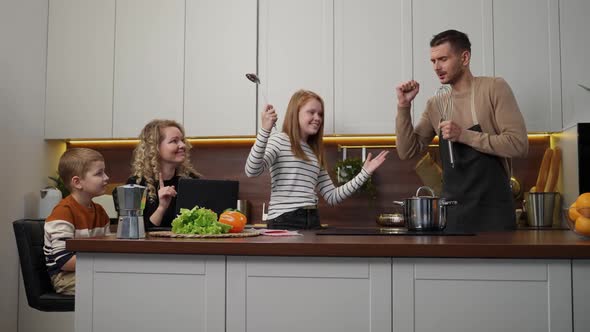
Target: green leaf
{"type": "Point", "coordinates": [60, 185]}
{"type": "Point", "coordinates": [198, 221]}
{"type": "Point", "coordinates": [348, 168]}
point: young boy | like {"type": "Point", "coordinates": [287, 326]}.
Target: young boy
{"type": "Point", "coordinates": [83, 172]}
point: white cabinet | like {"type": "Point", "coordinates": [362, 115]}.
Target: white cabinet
{"type": "Point", "coordinates": [575, 52]}
{"type": "Point", "coordinates": [130, 292]}
{"type": "Point", "coordinates": [581, 294]}
{"type": "Point", "coordinates": [431, 17]}
{"type": "Point", "coordinates": [308, 294]}
{"type": "Point", "coordinates": [153, 292]}
{"type": "Point", "coordinates": [112, 66]}
{"type": "Point", "coordinates": [115, 65]}
{"type": "Point", "coordinates": [149, 63]}
{"type": "Point", "coordinates": [526, 54]}
{"type": "Point", "coordinates": [372, 54]}
{"type": "Point", "coordinates": [352, 53]}
{"type": "Point", "coordinates": [79, 93]}
{"type": "Point", "coordinates": [296, 51]}
{"type": "Point", "coordinates": [481, 295]}
{"type": "Point", "coordinates": [220, 50]}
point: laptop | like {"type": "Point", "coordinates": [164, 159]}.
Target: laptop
{"type": "Point", "coordinates": [217, 195]}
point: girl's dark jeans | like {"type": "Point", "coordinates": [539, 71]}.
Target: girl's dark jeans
{"type": "Point", "coordinates": [299, 219]}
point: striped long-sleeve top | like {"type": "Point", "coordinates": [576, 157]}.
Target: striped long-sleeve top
{"type": "Point", "coordinates": [69, 220]}
{"type": "Point", "coordinates": [294, 181]}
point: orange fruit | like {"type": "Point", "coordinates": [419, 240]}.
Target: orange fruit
{"type": "Point", "coordinates": [583, 225]}
{"type": "Point", "coordinates": [573, 212]}
{"type": "Point", "coordinates": [583, 204]}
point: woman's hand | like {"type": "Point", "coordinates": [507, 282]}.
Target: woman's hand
{"type": "Point", "coordinates": [269, 117]}
{"type": "Point", "coordinates": [371, 165]}
{"type": "Point", "coordinates": [165, 194]}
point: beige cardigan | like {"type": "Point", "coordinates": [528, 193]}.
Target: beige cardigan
{"type": "Point", "coordinates": [503, 130]}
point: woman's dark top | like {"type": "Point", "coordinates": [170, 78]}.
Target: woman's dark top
{"type": "Point", "coordinates": [151, 204]}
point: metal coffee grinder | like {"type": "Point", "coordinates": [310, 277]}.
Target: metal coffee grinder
{"type": "Point", "coordinates": [131, 199]}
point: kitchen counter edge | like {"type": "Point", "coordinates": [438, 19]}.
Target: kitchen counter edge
{"type": "Point", "coordinates": [518, 244]}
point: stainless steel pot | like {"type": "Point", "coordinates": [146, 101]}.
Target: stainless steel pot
{"type": "Point", "coordinates": [425, 213]}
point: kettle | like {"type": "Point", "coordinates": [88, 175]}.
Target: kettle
{"type": "Point", "coordinates": [131, 201]}
{"type": "Point", "coordinates": [48, 199]}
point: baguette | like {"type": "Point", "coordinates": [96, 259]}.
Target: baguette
{"type": "Point", "coordinates": [544, 170]}
{"type": "Point", "coordinates": [553, 171]}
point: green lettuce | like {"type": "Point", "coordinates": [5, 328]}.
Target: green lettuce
{"type": "Point", "coordinates": [198, 221]}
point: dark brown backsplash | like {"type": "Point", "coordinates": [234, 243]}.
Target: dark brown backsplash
{"type": "Point", "coordinates": [395, 179]}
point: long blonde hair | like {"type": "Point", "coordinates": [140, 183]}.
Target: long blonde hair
{"type": "Point", "coordinates": [146, 156]}
{"type": "Point", "coordinates": [292, 129]}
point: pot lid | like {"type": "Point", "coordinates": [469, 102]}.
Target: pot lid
{"type": "Point", "coordinates": [432, 195]}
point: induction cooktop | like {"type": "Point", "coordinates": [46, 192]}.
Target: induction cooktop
{"type": "Point", "coordinates": [390, 232]}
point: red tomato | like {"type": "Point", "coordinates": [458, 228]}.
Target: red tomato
{"type": "Point", "coordinates": [235, 219]}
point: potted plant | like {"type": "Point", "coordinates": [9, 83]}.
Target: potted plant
{"type": "Point", "coordinates": [348, 168]}
{"type": "Point", "coordinates": [59, 184]}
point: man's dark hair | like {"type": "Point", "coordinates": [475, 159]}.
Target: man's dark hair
{"type": "Point", "coordinates": [457, 39]}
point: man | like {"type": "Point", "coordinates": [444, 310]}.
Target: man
{"type": "Point", "coordinates": [485, 127]}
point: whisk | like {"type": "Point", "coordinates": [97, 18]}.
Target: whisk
{"type": "Point", "coordinates": [444, 102]}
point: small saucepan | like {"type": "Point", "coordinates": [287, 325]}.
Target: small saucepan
{"type": "Point", "coordinates": [425, 213]}
{"type": "Point", "coordinates": [391, 220]}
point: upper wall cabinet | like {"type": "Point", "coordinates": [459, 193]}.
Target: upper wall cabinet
{"type": "Point", "coordinates": [220, 50]}
{"type": "Point", "coordinates": [575, 52]}
{"type": "Point", "coordinates": [149, 63]}
{"type": "Point", "coordinates": [114, 65]}
{"type": "Point", "coordinates": [431, 17]}
{"type": "Point", "coordinates": [526, 54]}
{"type": "Point", "coordinates": [80, 69]}
{"type": "Point", "coordinates": [296, 52]}
{"type": "Point", "coordinates": [352, 53]}
{"type": "Point", "coordinates": [372, 55]}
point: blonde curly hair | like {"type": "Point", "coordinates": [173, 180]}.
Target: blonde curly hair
{"type": "Point", "coordinates": [146, 156]}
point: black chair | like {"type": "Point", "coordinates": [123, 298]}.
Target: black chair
{"type": "Point", "coordinates": [40, 292]}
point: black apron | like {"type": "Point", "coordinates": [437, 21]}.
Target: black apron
{"type": "Point", "coordinates": [480, 185]}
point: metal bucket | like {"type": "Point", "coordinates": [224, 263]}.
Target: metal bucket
{"type": "Point", "coordinates": [541, 208]}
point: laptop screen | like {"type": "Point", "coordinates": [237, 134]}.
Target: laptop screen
{"type": "Point", "coordinates": [217, 195]}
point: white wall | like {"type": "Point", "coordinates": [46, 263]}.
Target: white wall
{"type": "Point", "coordinates": [24, 163]}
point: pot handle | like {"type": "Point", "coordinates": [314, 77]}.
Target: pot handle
{"type": "Point", "coordinates": [400, 203]}
{"type": "Point", "coordinates": [443, 205]}
{"type": "Point", "coordinates": [425, 187]}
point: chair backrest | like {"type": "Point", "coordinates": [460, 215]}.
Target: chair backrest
{"type": "Point", "coordinates": [29, 234]}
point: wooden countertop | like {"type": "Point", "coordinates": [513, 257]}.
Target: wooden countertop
{"type": "Point", "coordinates": [562, 244]}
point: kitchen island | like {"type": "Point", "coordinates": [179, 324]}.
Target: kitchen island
{"type": "Point", "coordinates": [519, 281]}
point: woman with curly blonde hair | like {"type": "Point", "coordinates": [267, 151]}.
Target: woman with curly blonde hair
{"type": "Point", "coordinates": [159, 160]}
